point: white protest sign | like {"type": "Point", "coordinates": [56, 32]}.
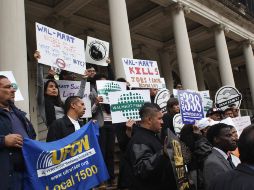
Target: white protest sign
{"type": "Point", "coordinates": [175, 93]}
{"type": "Point", "coordinates": [206, 101]}
{"type": "Point", "coordinates": [71, 88]}
{"type": "Point", "coordinates": [125, 105]}
{"type": "Point", "coordinates": [97, 51]}
{"type": "Point", "coordinates": [104, 87]}
{"type": "Point", "coordinates": [241, 123]}
{"type": "Point", "coordinates": [207, 104]}
{"type": "Point", "coordinates": [161, 99]}
{"type": "Point", "coordinates": [205, 94]}
{"type": "Point", "coordinates": [60, 50]}
{"type": "Point", "coordinates": [178, 123]}
{"type": "Point", "coordinates": [142, 73]}
{"type": "Point", "coordinates": [10, 76]}
{"type": "Point", "coordinates": [163, 84]}
{"type": "Point", "coordinates": [226, 96]}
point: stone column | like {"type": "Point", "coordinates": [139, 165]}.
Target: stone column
{"type": "Point", "coordinates": [183, 50]}
{"type": "Point", "coordinates": [13, 53]}
{"type": "Point", "coordinates": [248, 55]}
{"type": "Point", "coordinates": [166, 69]}
{"type": "Point", "coordinates": [199, 75]}
{"type": "Point", "coordinates": [225, 68]}
{"type": "Point", "coordinates": [120, 33]}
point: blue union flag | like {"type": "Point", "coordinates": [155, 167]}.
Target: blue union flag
{"type": "Point", "coordinates": [74, 162]}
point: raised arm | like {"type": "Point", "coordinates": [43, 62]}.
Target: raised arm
{"type": "Point", "coordinates": [111, 74]}
{"type": "Point", "coordinates": [82, 85]}
{"type": "Point", "coordinates": [40, 87]}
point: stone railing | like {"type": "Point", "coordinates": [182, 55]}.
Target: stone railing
{"type": "Point", "coordinates": [245, 112]}
{"type": "Point", "coordinates": [243, 7]}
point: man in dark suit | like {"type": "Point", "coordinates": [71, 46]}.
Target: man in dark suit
{"type": "Point", "coordinates": [220, 160]}
{"type": "Point", "coordinates": [243, 176]}
{"type": "Point", "coordinates": [74, 108]}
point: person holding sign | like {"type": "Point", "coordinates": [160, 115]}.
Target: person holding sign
{"type": "Point", "coordinates": [14, 127]}
{"type": "Point", "coordinates": [172, 109]}
{"type": "Point", "coordinates": [91, 73]}
{"type": "Point", "coordinates": [101, 113]}
{"type": "Point", "coordinates": [50, 104]}
{"type": "Point", "coordinates": [198, 148]}
{"type": "Point", "coordinates": [149, 161]}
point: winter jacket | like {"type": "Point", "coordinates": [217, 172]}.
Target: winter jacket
{"type": "Point", "coordinates": [11, 159]}
{"type": "Point", "coordinates": [150, 168]}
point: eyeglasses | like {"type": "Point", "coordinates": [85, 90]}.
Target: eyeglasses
{"type": "Point", "coordinates": [12, 85]}
{"type": "Point", "coordinates": [91, 70]}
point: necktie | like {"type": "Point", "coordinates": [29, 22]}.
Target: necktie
{"type": "Point", "coordinates": [231, 162]}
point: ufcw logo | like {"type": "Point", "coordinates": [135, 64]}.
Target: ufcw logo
{"type": "Point", "coordinates": [70, 150]}
{"type": "Point", "coordinates": [50, 162]}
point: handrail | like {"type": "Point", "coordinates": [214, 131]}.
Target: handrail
{"type": "Point", "coordinates": [242, 7]}
{"type": "Point", "coordinates": [245, 112]}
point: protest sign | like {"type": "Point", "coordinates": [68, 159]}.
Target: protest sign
{"type": "Point", "coordinates": [60, 50]}
{"type": "Point", "coordinates": [205, 122]}
{"type": "Point", "coordinates": [207, 104]}
{"type": "Point", "coordinates": [97, 51]}
{"type": "Point", "coordinates": [161, 99]}
{"type": "Point", "coordinates": [74, 162]}
{"type": "Point", "coordinates": [227, 95]}
{"type": "Point", "coordinates": [10, 76]}
{"type": "Point", "coordinates": [175, 154]}
{"type": "Point", "coordinates": [162, 84]}
{"type": "Point", "coordinates": [71, 88]}
{"type": "Point", "coordinates": [125, 105]}
{"type": "Point", "coordinates": [241, 123]}
{"type": "Point", "coordinates": [142, 73]}
{"type": "Point", "coordinates": [175, 93]}
{"type": "Point", "coordinates": [205, 94]}
{"type": "Point", "coordinates": [206, 101]}
{"type": "Point", "coordinates": [190, 106]}
{"type": "Point", "coordinates": [178, 123]}
{"type": "Point", "coordinates": [104, 87]}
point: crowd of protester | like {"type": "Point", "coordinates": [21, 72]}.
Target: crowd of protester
{"type": "Point", "coordinates": [214, 156]}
